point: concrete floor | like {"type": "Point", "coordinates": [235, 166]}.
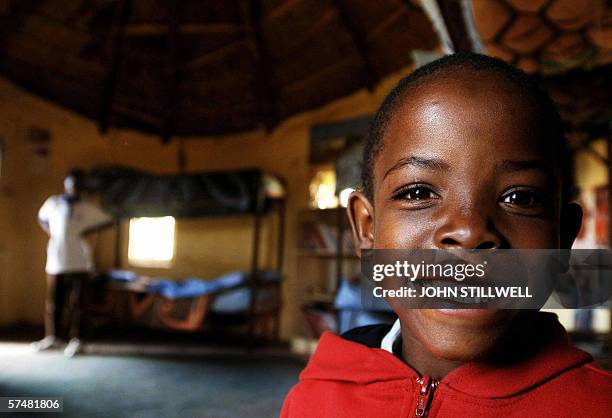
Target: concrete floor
{"type": "Point", "coordinates": [151, 381]}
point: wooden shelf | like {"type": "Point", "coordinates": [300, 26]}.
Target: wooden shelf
{"type": "Point", "coordinates": [319, 297]}
{"type": "Point", "coordinates": [325, 255]}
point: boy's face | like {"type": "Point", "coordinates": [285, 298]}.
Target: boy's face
{"type": "Point", "coordinates": [70, 185]}
{"type": "Point", "coordinates": [463, 165]}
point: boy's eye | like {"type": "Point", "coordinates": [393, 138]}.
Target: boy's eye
{"type": "Point", "coordinates": [524, 199]}
{"type": "Point", "coordinates": [521, 199]}
{"type": "Point", "coordinates": [415, 193]}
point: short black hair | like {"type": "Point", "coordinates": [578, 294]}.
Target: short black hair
{"type": "Point", "coordinates": [77, 175]}
{"type": "Point", "coordinates": [472, 61]}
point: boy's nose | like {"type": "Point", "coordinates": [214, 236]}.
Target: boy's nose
{"type": "Point", "coordinates": [469, 231]}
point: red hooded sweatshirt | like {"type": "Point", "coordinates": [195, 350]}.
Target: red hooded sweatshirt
{"type": "Point", "coordinates": [346, 378]}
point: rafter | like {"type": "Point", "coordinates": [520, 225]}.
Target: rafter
{"type": "Point", "coordinates": [13, 16]}
{"type": "Point", "coordinates": [146, 29]}
{"type": "Point", "coordinates": [251, 16]}
{"type": "Point", "coordinates": [459, 24]}
{"type": "Point", "coordinates": [453, 22]}
{"type": "Point", "coordinates": [358, 40]}
{"type": "Point", "coordinates": [212, 56]}
{"type": "Point", "coordinates": [323, 72]}
{"type": "Point", "coordinates": [383, 25]}
{"type": "Point", "coordinates": [169, 122]}
{"type": "Point", "coordinates": [282, 8]}
{"type": "Point", "coordinates": [120, 19]}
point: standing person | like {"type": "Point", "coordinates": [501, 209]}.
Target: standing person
{"type": "Point", "coordinates": [67, 218]}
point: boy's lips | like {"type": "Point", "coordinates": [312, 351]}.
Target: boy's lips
{"type": "Point", "coordinates": [478, 315]}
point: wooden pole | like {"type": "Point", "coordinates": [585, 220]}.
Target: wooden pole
{"type": "Point", "coordinates": [118, 243]}
{"type": "Point", "coordinates": [454, 23]}
{"type": "Point", "coordinates": [610, 187]}
{"type": "Point", "coordinates": [279, 267]}
{"type": "Point", "coordinates": [280, 250]}
{"type": "Point", "coordinates": [340, 213]}
{"type": "Point", "coordinates": [254, 279]}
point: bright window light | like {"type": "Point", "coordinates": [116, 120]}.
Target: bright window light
{"type": "Point", "coordinates": [322, 189]}
{"type": "Point", "coordinates": [151, 242]}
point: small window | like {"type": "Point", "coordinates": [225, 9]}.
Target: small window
{"type": "Point", "coordinates": [151, 242]}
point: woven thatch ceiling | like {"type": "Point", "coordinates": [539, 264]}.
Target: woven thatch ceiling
{"type": "Point", "coordinates": [194, 67]}
{"type": "Point", "coordinates": [546, 36]}
{"type": "Point", "coordinates": [238, 64]}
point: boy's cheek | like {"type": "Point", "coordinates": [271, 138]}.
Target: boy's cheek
{"type": "Point", "coordinates": [396, 232]}
{"type": "Point", "coordinates": [526, 232]}
{"type": "Point", "coordinates": [402, 229]}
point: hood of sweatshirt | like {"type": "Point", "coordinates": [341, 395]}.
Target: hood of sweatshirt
{"type": "Point", "coordinates": [338, 359]}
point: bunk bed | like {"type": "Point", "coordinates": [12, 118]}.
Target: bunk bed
{"type": "Point", "coordinates": [251, 298]}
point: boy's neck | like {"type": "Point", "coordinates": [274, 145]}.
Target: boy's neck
{"type": "Point", "coordinates": [419, 358]}
{"type": "Point", "coordinates": [510, 349]}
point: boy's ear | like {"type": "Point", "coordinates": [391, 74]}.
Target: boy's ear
{"type": "Point", "coordinates": [361, 216]}
{"type": "Point", "coordinates": [571, 220]}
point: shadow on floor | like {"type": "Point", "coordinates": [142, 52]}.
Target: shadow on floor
{"type": "Point", "coordinates": [150, 375]}
{"type": "Point", "coordinates": [216, 385]}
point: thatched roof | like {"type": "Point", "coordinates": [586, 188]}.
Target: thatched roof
{"type": "Point", "coordinates": [197, 68]}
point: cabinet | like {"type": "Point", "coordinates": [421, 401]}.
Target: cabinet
{"type": "Point", "coordinates": [326, 254]}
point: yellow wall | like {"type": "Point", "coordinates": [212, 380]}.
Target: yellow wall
{"type": "Point", "coordinates": [590, 171]}
{"type": "Point", "coordinates": [204, 247]}
{"type": "Point", "coordinates": [591, 174]}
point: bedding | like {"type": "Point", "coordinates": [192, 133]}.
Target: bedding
{"type": "Point", "coordinates": [351, 313]}
{"type": "Point", "coordinates": [130, 193]}
{"type": "Point", "coordinates": [231, 301]}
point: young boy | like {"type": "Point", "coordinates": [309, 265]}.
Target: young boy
{"type": "Point", "coordinates": [465, 153]}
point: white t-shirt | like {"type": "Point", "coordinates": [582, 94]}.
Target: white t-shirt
{"type": "Point", "coordinates": [67, 252]}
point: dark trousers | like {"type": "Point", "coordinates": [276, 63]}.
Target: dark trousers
{"type": "Point", "coordinates": [66, 293]}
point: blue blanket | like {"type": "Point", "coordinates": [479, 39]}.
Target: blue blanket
{"type": "Point", "coordinates": [194, 286]}
{"type": "Point", "coordinates": [352, 314]}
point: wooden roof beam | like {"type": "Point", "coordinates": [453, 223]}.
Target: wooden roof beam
{"type": "Point", "coordinates": [251, 16]}
{"type": "Point", "coordinates": [282, 8]}
{"type": "Point", "coordinates": [13, 15]}
{"type": "Point", "coordinates": [172, 78]}
{"type": "Point", "coordinates": [358, 40]}
{"type": "Point", "coordinates": [153, 29]}
{"type": "Point", "coordinates": [455, 25]}
{"type": "Point", "coordinates": [212, 56]}
{"type": "Point", "coordinates": [453, 21]}
{"type": "Point", "coordinates": [122, 14]}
